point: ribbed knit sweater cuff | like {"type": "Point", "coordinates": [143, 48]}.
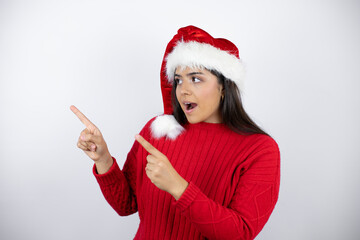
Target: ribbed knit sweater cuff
{"type": "Point", "coordinates": [187, 197]}
{"type": "Point", "coordinates": [110, 177]}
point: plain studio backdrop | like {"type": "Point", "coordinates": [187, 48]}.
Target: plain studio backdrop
{"type": "Point", "coordinates": [302, 86]}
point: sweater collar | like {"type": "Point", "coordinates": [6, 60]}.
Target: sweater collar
{"type": "Point", "coordinates": [205, 125]}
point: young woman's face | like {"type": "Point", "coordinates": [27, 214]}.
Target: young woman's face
{"type": "Point", "coordinates": [199, 94]}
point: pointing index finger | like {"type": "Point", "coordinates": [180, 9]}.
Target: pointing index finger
{"type": "Point", "coordinates": [148, 147]}
{"type": "Point", "coordinates": [89, 125]}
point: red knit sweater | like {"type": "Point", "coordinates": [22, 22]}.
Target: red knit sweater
{"type": "Point", "coordinates": [233, 185]}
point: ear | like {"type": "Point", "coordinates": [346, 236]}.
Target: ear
{"type": "Point", "coordinates": [222, 91]}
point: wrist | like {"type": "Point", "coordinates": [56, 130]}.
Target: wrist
{"type": "Point", "coordinates": [103, 165]}
{"type": "Point", "coordinates": [105, 159]}
{"type": "Point", "coordinates": [180, 189]}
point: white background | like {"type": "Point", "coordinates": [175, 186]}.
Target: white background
{"type": "Point", "coordinates": [303, 72]}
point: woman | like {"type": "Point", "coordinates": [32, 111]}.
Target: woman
{"type": "Point", "coordinates": [204, 169]}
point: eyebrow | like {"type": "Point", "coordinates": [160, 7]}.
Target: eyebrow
{"type": "Point", "coordinates": [189, 74]}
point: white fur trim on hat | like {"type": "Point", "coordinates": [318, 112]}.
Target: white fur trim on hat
{"type": "Point", "coordinates": [195, 54]}
{"type": "Point", "coordinates": [166, 125]}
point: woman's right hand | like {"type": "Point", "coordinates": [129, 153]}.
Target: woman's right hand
{"type": "Point", "coordinates": [93, 144]}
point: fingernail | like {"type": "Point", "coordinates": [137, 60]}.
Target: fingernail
{"type": "Point", "coordinates": [82, 137]}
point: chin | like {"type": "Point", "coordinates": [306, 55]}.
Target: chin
{"type": "Point", "coordinates": [193, 120]}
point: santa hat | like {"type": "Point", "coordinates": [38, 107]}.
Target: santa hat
{"type": "Point", "coordinates": [193, 47]}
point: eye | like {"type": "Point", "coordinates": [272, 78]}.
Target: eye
{"type": "Point", "coordinates": [178, 81]}
{"type": "Point", "coordinates": [195, 79]}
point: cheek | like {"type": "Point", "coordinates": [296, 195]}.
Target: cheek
{"type": "Point", "coordinates": [211, 97]}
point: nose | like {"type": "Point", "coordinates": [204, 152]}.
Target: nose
{"type": "Point", "coordinates": [185, 88]}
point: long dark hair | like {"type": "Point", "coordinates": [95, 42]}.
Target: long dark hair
{"type": "Point", "coordinates": [232, 111]}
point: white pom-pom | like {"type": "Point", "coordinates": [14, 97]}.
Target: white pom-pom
{"type": "Point", "coordinates": [166, 125]}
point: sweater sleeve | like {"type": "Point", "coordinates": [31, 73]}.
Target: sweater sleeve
{"type": "Point", "coordinates": [250, 207]}
{"type": "Point", "coordinates": [119, 186]}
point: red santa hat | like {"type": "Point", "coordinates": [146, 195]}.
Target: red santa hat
{"type": "Point", "coordinates": [193, 47]}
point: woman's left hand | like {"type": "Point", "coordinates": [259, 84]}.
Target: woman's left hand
{"type": "Point", "coordinates": [160, 171]}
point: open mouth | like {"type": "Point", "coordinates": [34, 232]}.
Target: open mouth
{"type": "Point", "coordinates": [189, 106]}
